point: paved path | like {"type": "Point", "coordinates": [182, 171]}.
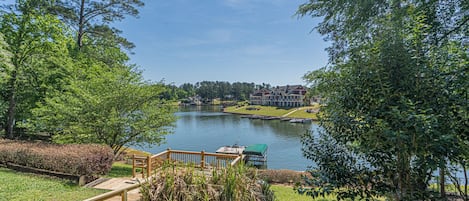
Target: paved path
{"type": "Point", "coordinates": [285, 115]}
{"type": "Point", "coordinates": [118, 183]}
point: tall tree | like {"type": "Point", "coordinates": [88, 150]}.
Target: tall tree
{"type": "Point", "coordinates": [386, 92]}
{"type": "Point", "coordinates": [112, 106]}
{"type": "Point", "coordinates": [188, 88]}
{"type": "Point", "coordinates": [36, 40]}
{"type": "Point", "coordinates": [93, 18]}
{"type": "Point", "coordinates": [5, 67]}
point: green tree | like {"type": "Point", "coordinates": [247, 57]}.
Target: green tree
{"type": "Point", "coordinates": [188, 88]}
{"type": "Point", "coordinates": [38, 46]}
{"type": "Point", "coordinates": [110, 106]}
{"type": "Point", "coordinates": [395, 95]}
{"type": "Point", "coordinates": [5, 67]}
{"type": "Point", "coordinates": [206, 89]}
{"type": "Point", "coordinates": [92, 18]}
{"type": "Point", "coordinates": [241, 90]}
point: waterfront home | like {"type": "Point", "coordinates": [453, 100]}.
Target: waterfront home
{"type": "Point", "coordinates": [281, 96]}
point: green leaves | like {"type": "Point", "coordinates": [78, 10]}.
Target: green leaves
{"type": "Point", "coordinates": [76, 95]}
{"type": "Point", "coordinates": [109, 106]}
{"type": "Point", "coordinates": [390, 92]}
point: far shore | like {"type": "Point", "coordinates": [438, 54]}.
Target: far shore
{"type": "Point", "coordinates": [272, 112]}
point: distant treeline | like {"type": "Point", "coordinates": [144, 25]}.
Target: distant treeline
{"type": "Point", "coordinates": [214, 89]}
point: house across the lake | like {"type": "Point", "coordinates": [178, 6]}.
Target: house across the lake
{"type": "Point", "coordinates": [281, 96]}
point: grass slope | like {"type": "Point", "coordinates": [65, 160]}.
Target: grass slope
{"type": "Point", "coordinates": [24, 187]}
{"type": "Point", "coordinates": [120, 169]}
{"type": "Point", "coordinates": [274, 111]}
{"type": "Point", "coordinates": [286, 193]}
{"type": "Point", "coordinates": [262, 110]}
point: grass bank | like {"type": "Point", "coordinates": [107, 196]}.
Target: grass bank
{"type": "Point", "coordinates": [25, 186]}
{"type": "Point", "coordinates": [19, 186]}
{"type": "Point", "coordinates": [274, 111]}
{"type": "Point", "coordinates": [286, 193]}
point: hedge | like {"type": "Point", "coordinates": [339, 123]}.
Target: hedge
{"type": "Point", "coordinates": [282, 176]}
{"type": "Point", "coordinates": [74, 159]}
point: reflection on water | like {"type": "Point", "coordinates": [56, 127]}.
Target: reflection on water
{"type": "Point", "coordinates": [206, 128]}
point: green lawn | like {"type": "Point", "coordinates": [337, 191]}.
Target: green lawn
{"type": "Point", "coordinates": [286, 193]}
{"type": "Point", "coordinates": [273, 111]}
{"type": "Point", "coordinates": [120, 169]}
{"type": "Point", "coordinates": [24, 187]}
{"type": "Point", "coordinates": [301, 113]}
{"type": "Point", "coordinates": [263, 110]}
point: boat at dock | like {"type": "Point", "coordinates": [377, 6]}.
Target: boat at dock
{"type": "Point", "coordinates": [300, 121]}
{"type": "Point", "coordinates": [254, 155]}
{"type": "Point", "coordinates": [234, 149]}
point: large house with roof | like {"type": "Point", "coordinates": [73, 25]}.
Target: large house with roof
{"type": "Point", "coordinates": [281, 96]}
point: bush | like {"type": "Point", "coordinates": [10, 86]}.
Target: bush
{"type": "Point", "coordinates": [173, 183]}
{"type": "Point", "coordinates": [74, 159]}
{"type": "Point", "coordinates": [281, 176]}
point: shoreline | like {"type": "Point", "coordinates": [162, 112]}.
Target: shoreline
{"type": "Point", "coordinates": [294, 115]}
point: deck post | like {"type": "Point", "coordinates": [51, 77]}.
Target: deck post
{"type": "Point", "coordinates": [148, 166]}
{"type": "Point", "coordinates": [133, 165]}
{"type": "Point", "coordinates": [168, 156]}
{"type": "Point", "coordinates": [202, 159]}
{"type": "Point", "coordinates": [124, 195]}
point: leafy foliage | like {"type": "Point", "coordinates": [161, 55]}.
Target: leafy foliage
{"type": "Point", "coordinates": [91, 19]}
{"type": "Point", "coordinates": [281, 176]}
{"type": "Point", "coordinates": [108, 106]}
{"type": "Point", "coordinates": [208, 90]}
{"type": "Point", "coordinates": [174, 182]}
{"type": "Point", "coordinates": [5, 67]}
{"type": "Point", "coordinates": [39, 54]}
{"type": "Point", "coordinates": [75, 159]}
{"type": "Point", "coordinates": [395, 93]}
{"type": "Point", "coordinates": [72, 92]}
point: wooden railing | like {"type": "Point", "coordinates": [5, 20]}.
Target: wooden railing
{"type": "Point", "coordinates": [149, 163]}
{"type": "Point", "coordinates": [199, 159]}
{"type": "Point", "coordinates": [119, 192]}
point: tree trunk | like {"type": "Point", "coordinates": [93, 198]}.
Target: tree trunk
{"type": "Point", "coordinates": [442, 182]}
{"type": "Point", "coordinates": [465, 181]}
{"type": "Point", "coordinates": [81, 25]}
{"type": "Point", "coordinates": [11, 106]}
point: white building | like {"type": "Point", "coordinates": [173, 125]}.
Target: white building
{"type": "Point", "coordinates": [283, 96]}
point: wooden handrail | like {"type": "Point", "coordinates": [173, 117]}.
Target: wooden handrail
{"type": "Point", "coordinates": [205, 153]}
{"type": "Point", "coordinates": [159, 154]}
{"type": "Point", "coordinates": [235, 161]}
{"type": "Point", "coordinates": [119, 192]}
{"type": "Point", "coordinates": [148, 162]}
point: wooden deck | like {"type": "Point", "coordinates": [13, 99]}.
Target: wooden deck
{"type": "Point", "coordinates": [199, 159]}
{"type": "Point", "coordinates": [121, 183]}
{"type": "Point", "coordinates": [128, 188]}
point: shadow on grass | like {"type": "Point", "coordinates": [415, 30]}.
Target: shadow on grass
{"type": "Point", "coordinates": [121, 170]}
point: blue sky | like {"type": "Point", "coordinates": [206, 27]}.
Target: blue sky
{"type": "Point", "coordinates": [259, 41]}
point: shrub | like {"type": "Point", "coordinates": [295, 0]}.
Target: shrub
{"type": "Point", "coordinates": [173, 183]}
{"type": "Point", "coordinates": [281, 176]}
{"type": "Point", "coordinates": [74, 159]}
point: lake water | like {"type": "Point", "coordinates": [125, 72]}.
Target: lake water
{"type": "Point", "coordinates": [207, 128]}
